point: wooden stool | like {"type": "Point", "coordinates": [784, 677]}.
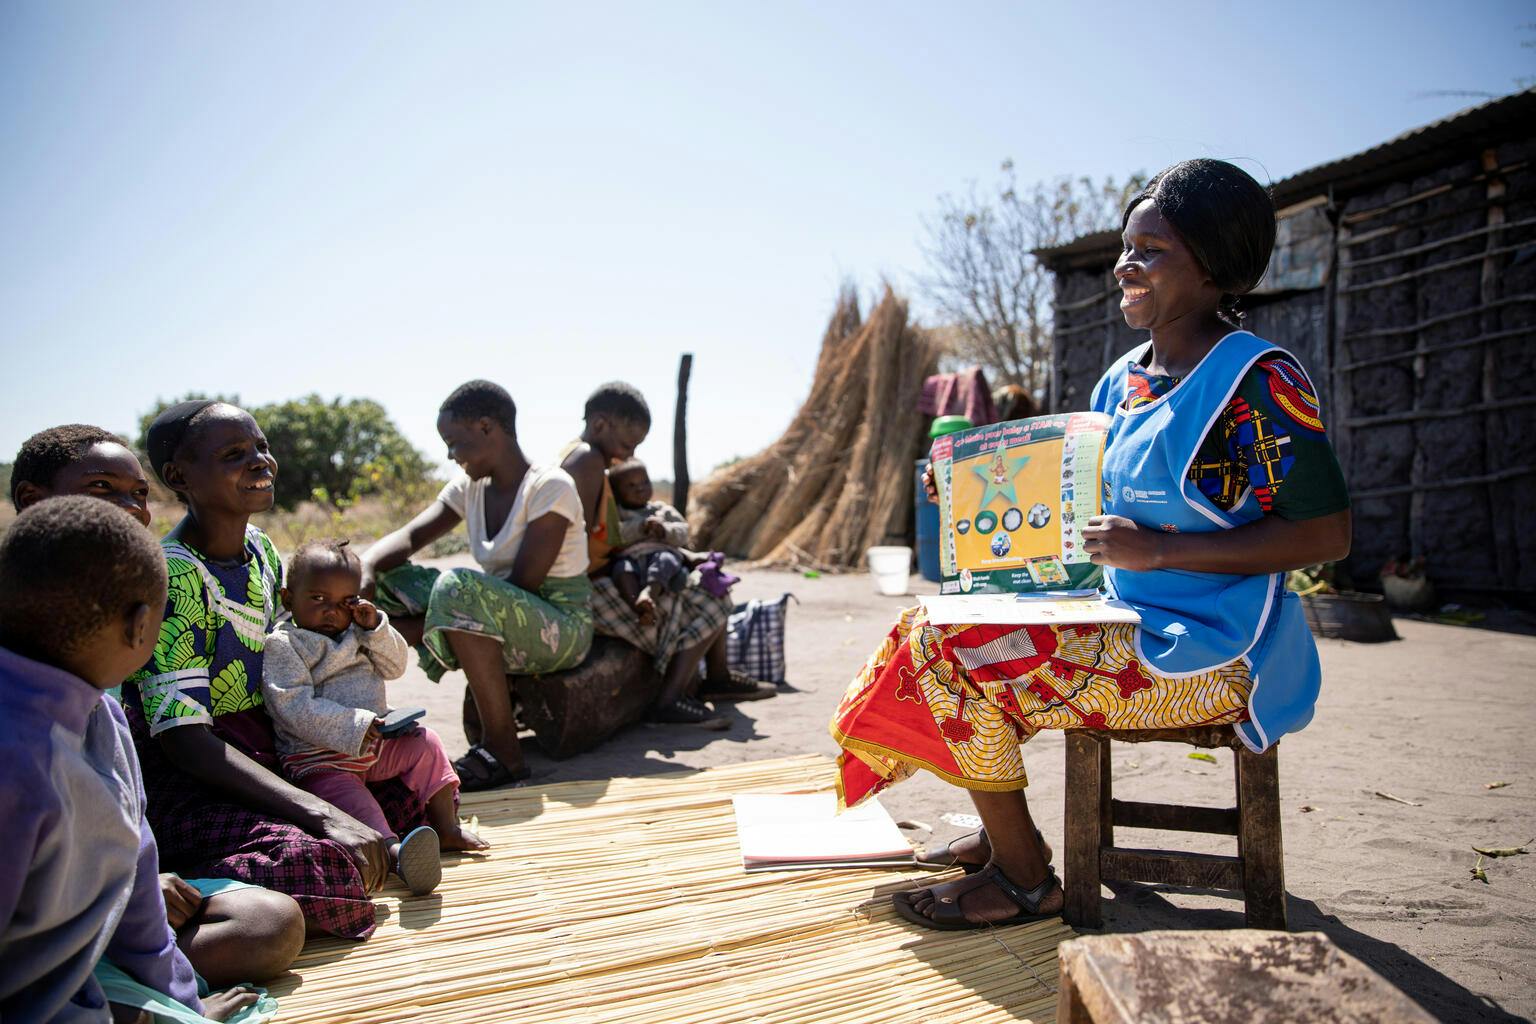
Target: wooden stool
{"type": "Point", "coordinates": [1092, 813]}
{"type": "Point", "coordinates": [573, 711]}
{"type": "Point", "coordinates": [1238, 975]}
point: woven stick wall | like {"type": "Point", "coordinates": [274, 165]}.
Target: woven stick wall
{"type": "Point", "coordinates": [625, 900]}
{"type": "Point", "coordinates": [840, 478]}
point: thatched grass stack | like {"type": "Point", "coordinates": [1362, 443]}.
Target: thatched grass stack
{"type": "Point", "coordinates": [624, 900]}
{"type": "Point", "coordinates": [840, 478]}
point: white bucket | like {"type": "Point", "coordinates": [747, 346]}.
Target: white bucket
{"type": "Point", "coordinates": [891, 568]}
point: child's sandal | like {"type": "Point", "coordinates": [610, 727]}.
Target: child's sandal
{"type": "Point", "coordinates": [420, 861]}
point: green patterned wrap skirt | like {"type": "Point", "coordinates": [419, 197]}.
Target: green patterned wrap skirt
{"type": "Point", "coordinates": [544, 632]}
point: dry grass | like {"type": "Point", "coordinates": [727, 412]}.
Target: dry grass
{"type": "Point", "coordinates": [624, 899]}
{"type": "Point", "coordinates": [839, 480]}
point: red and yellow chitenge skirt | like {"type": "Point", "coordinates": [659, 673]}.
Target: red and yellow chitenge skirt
{"type": "Point", "coordinates": [960, 701]}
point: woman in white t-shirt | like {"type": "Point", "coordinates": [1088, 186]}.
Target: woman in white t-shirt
{"type": "Point", "coordinates": [527, 610]}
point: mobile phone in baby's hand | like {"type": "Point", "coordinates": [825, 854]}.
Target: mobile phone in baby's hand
{"type": "Point", "coordinates": [399, 720]}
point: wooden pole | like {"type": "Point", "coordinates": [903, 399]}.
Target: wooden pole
{"type": "Point", "coordinates": [680, 437]}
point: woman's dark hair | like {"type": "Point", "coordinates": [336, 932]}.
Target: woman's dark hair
{"type": "Point", "coordinates": [1225, 217]}
{"type": "Point", "coordinates": [477, 398]}
{"type": "Point", "coordinates": [46, 452]}
{"type": "Point", "coordinates": [619, 401]}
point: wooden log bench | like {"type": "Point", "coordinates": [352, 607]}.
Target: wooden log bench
{"type": "Point", "coordinates": [1092, 812]}
{"type": "Point", "coordinates": [573, 711]}
{"type": "Point", "coordinates": [1257, 977]}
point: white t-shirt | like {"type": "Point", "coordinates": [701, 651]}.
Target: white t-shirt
{"type": "Point", "coordinates": [544, 489]}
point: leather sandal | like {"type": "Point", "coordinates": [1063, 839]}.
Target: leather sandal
{"type": "Point", "coordinates": [948, 916]}
{"type": "Point", "coordinates": [941, 857]}
{"type": "Point", "coordinates": [480, 770]}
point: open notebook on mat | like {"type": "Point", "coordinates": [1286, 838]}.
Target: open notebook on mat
{"type": "Point", "coordinates": [803, 830]}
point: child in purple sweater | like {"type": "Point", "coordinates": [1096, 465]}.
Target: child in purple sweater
{"type": "Point", "coordinates": [81, 591]}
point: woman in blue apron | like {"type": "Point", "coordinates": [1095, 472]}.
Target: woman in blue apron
{"type": "Point", "coordinates": [1218, 479]}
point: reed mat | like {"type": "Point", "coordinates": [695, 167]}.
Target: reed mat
{"type": "Point", "coordinates": [624, 899]}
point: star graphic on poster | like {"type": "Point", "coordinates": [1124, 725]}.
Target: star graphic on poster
{"type": "Point", "coordinates": [998, 476]}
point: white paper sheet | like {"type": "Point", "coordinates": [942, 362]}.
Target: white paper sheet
{"type": "Point", "coordinates": [1008, 610]}
{"type": "Point", "coordinates": [801, 831]}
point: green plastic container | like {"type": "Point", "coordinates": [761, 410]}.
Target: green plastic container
{"type": "Point", "coordinates": [942, 425]}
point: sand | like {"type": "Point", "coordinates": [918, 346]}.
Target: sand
{"type": "Point", "coordinates": [1431, 719]}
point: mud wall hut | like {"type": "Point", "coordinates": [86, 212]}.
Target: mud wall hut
{"type": "Point", "coordinates": [1404, 278]}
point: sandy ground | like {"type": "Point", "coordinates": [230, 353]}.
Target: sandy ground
{"type": "Point", "coordinates": [1430, 719]}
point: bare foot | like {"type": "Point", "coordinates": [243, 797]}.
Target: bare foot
{"type": "Point", "coordinates": [461, 838]}
{"type": "Point", "coordinates": [974, 850]}
{"type": "Point", "coordinates": [222, 1005]}
{"type": "Point", "coordinates": [645, 607]}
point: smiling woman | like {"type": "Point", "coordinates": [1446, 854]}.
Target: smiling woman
{"type": "Point", "coordinates": [527, 610]}
{"type": "Point", "coordinates": [215, 799]}
{"type": "Point", "coordinates": [1212, 490]}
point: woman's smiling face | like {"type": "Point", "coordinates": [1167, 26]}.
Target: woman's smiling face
{"type": "Point", "coordinates": [1160, 279]}
{"type": "Point", "coordinates": [224, 463]}
{"type": "Point", "coordinates": [469, 443]}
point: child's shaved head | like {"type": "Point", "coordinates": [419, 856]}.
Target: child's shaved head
{"type": "Point", "coordinates": [68, 567]}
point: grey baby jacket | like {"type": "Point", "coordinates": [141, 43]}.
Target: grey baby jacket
{"type": "Point", "coordinates": [324, 693]}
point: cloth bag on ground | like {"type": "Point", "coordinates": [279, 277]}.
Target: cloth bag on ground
{"type": "Point", "coordinates": [754, 639]}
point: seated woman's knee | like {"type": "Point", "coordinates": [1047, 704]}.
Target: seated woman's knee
{"type": "Point", "coordinates": [452, 580]}
{"type": "Point", "coordinates": [271, 924]}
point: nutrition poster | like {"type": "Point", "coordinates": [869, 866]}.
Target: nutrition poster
{"type": "Point", "coordinates": [1013, 499]}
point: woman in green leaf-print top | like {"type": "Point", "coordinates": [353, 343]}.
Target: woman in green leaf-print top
{"type": "Point", "coordinates": [202, 671]}
{"type": "Point", "coordinates": [216, 800]}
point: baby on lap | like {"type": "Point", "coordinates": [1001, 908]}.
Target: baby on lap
{"type": "Point", "coordinates": [652, 535]}
{"type": "Point", "coordinates": [324, 682]}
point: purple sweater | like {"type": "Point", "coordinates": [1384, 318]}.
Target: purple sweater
{"type": "Point", "coordinates": [80, 876]}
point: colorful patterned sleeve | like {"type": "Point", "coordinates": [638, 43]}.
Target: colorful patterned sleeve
{"type": "Point", "coordinates": [1273, 433]}
{"type": "Point", "coordinates": [174, 687]}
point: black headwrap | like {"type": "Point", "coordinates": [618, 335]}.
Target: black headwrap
{"type": "Point", "coordinates": [169, 430]}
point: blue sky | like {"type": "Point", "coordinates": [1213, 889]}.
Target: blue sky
{"type": "Point", "coordinates": [385, 199]}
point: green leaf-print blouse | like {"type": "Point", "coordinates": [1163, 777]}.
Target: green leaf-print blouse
{"type": "Point", "coordinates": [206, 669]}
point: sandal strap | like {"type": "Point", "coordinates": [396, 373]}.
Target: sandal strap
{"type": "Point", "coordinates": [1027, 900]}
{"type": "Point", "coordinates": [487, 766]}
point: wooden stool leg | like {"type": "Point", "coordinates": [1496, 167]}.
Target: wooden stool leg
{"type": "Point", "coordinates": [1085, 778]}
{"type": "Point", "coordinates": [1106, 797]}
{"type": "Point", "coordinates": [1258, 837]}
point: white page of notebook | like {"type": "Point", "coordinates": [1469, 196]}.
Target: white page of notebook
{"type": "Point", "coordinates": [806, 828]}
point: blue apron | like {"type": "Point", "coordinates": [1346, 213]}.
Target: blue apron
{"type": "Point", "coordinates": [1192, 622]}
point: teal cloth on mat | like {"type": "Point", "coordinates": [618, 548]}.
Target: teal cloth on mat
{"type": "Point", "coordinates": [214, 886]}
{"type": "Point", "coordinates": [120, 988]}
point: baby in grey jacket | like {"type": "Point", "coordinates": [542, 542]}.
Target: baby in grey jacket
{"type": "Point", "coordinates": [323, 677]}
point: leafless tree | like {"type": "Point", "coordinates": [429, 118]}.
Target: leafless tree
{"type": "Point", "coordinates": [984, 280]}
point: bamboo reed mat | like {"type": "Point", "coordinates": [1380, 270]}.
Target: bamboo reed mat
{"type": "Point", "coordinates": [624, 900]}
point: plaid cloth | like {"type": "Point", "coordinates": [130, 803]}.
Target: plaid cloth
{"type": "Point", "coordinates": [754, 643]}
{"type": "Point", "coordinates": [683, 620]}
{"type": "Point", "coordinates": [203, 835]}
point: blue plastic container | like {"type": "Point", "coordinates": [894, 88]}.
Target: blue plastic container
{"type": "Point", "coordinates": [927, 519]}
